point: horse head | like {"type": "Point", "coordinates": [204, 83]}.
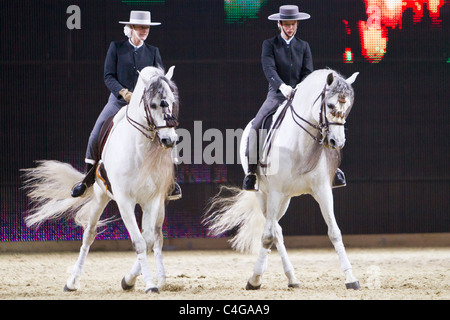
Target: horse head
{"type": "Point", "coordinates": [160, 105]}
{"type": "Point", "coordinates": [337, 101]}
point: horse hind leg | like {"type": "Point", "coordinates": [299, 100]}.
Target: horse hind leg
{"type": "Point", "coordinates": [96, 207]}
{"type": "Point", "coordinates": [276, 206]}
{"type": "Point", "coordinates": [287, 265]}
{"type": "Point", "coordinates": [254, 282]}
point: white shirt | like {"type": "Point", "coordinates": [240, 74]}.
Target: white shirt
{"type": "Point", "coordinates": [288, 41]}
{"type": "Point", "coordinates": [136, 47]}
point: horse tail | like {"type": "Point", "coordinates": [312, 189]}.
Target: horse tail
{"type": "Point", "coordinates": [241, 211]}
{"type": "Point", "coordinates": [48, 187]}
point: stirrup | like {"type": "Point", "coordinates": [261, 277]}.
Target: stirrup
{"type": "Point", "coordinates": [176, 193]}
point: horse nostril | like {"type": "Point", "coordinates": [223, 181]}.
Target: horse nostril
{"type": "Point", "coordinates": [168, 143]}
{"type": "Point", "coordinates": [332, 143]}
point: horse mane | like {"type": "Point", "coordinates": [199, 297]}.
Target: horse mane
{"type": "Point", "coordinates": [158, 163]}
{"type": "Point", "coordinates": [311, 158]}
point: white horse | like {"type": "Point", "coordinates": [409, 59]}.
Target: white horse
{"type": "Point", "coordinates": [136, 167]}
{"type": "Point", "coordinates": [303, 158]}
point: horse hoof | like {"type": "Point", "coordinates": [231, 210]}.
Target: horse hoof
{"type": "Point", "coordinates": [249, 286]}
{"type": "Point", "coordinates": [294, 285]}
{"type": "Point", "coordinates": [67, 289]}
{"type": "Point", "coordinates": [152, 290]}
{"type": "Point", "coordinates": [125, 285]}
{"type": "Point", "coordinates": [353, 285]}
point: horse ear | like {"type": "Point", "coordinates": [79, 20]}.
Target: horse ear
{"type": "Point", "coordinates": [330, 79]}
{"type": "Point", "coordinates": [169, 73]}
{"type": "Point", "coordinates": [352, 78]}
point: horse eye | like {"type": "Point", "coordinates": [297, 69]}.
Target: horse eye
{"type": "Point", "coordinates": [330, 105]}
{"type": "Point", "coordinates": [153, 106]}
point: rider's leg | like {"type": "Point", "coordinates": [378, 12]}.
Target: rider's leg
{"type": "Point", "coordinates": [252, 157]}
{"type": "Point", "coordinates": [92, 156]}
{"type": "Point", "coordinates": [272, 102]}
{"type": "Point", "coordinates": [80, 188]}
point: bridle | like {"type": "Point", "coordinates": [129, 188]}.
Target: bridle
{"type": "Point", "coordinates": [151, 127]}
{"type": "Point", "coordinates": [323, 125]}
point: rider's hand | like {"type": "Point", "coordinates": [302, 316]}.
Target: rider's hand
{"type": "Point", "coordinates": [286, 90]}
{"type": "Point", "coordinates": [126, 94]}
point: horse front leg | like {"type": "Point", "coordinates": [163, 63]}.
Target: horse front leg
{"type": "Point", "coordinates": [152, 222]}
{"type": "Point", "coordinates": [96, 207]}
{"type": "Point", "coordinates": [157, 250]}
{"type": "Point", "coordinates": [325, 199]}
{"type": "Point", "coordinates": [127, 213]}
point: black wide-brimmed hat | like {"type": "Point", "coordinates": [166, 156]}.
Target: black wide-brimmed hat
{"type": "Point", "coordinates": [289, 12]}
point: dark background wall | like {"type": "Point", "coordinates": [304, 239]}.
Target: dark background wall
{"type": "Point", "coordinates": [397, 154]}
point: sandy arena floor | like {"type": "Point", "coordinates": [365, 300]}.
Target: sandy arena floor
{"type": "Point", "coordinates": [384, 274]}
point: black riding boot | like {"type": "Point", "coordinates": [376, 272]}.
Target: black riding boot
{"type": "Point", "coordinates": [339, 179]}
{"type": "Point", "coordinates": [250, 178]}
{"type": "Point", "coordinates": [80, 188]}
